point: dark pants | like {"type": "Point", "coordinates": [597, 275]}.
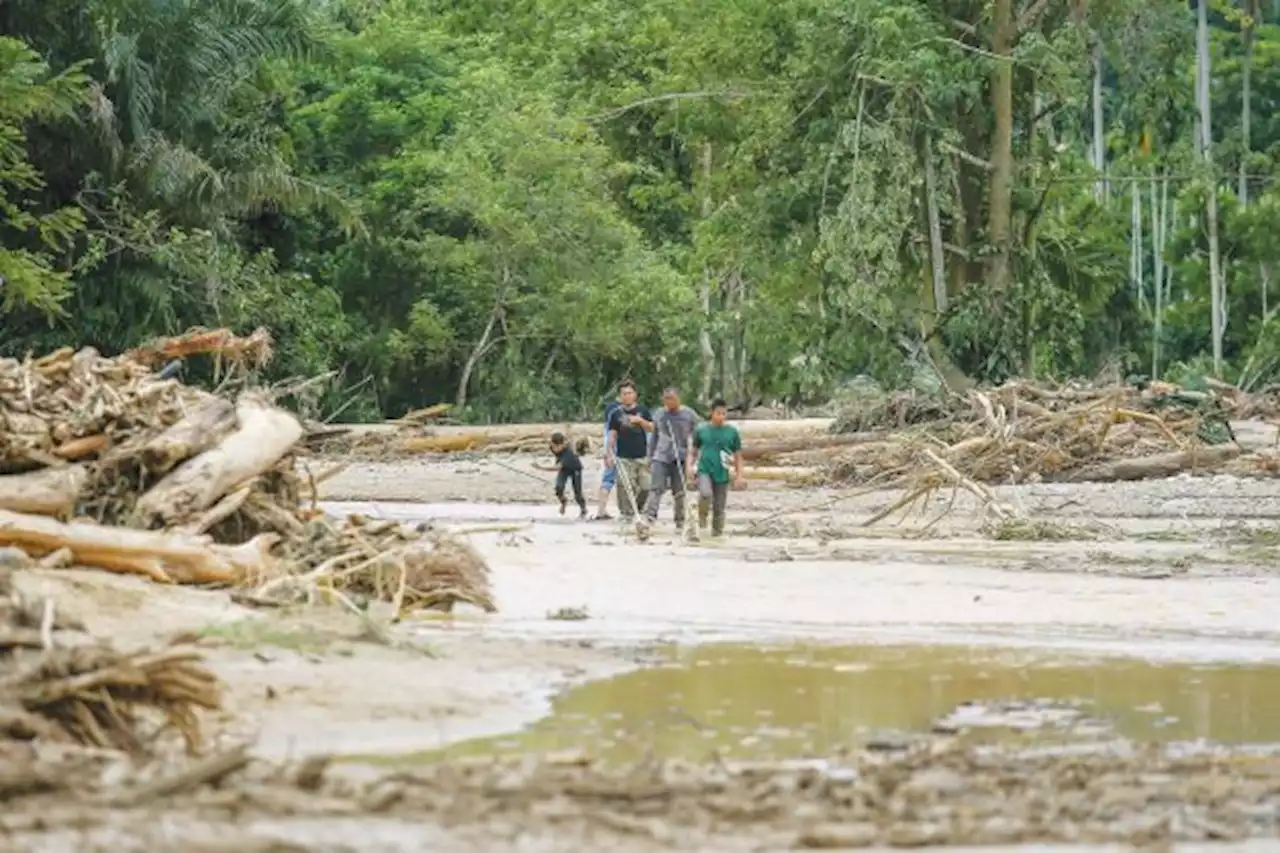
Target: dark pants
{"type": "Point", "coordinates": [663, 477]}
{"type": "Point", "coordinates": [713, 497]}
{"type": "Point", "coordinates": [564, 476]}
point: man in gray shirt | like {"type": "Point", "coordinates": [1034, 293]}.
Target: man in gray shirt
{"type": "Point", "coordinates": [673, 426]}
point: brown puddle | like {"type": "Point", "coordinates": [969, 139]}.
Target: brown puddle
{"type": "Point", "coordinates": [793, 702]}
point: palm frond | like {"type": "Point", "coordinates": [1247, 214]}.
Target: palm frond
{"type": "Point", "coordinates": [173, 172]}
{"type": "Point", "coordinates": [275, 188]}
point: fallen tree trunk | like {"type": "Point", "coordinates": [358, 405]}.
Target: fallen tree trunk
{"type": "Point", "coordinates": [162, 557]}
{"type": "Point", "coordinates": [1153, 467]}
{"type": "Point", "coordinates": [264, 436]}
{"type": "Point", "coordinates": [80, 448]}
{"type": "Point", "coordinates": [191, 436]}
{"type": "Point", "coordinates": [255, 348]}
{"type": "Point", "coordinates": [49, 491]}
{"type": "Point", "coordinates": [800, 476]}
{"type": "Point", "coordinates": [443, 443]}
{"type": "Point", "coordinates": [767, 449]}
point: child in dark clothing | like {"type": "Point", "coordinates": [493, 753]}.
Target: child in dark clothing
{"type": "Point", "coordinates": [570, 471]}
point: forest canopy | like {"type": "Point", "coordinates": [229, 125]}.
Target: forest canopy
{"type": "Point", "coordinates": [510, 204]}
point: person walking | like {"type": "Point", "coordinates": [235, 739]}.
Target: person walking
{"type": "Point", "coordinates": [568, 471]}
{"type": "Point", "coordinates": [714, 444]}
{"type": "Point", "coordinates": [673, 427]}
{"type": "Point", "coordinates": [608, 476]}
{"type": "Point", "coordinates": [628, 450]}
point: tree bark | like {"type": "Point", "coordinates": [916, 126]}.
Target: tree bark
{"type": "Point", "coordinates": [478, 352]}
{"type": "Point", "coordinates": [1101, 188]}
{"type": "Point", "coordinates": [1000, 204]}
{"type": "Point", "coordinates": [194, 434]}
{"type": "Point", "coordinates": [937, 261]}
{"type": "Point", "coordinates": [1152, 467]}
{"type": "Point", "coordinates": [49, 491]}
{"type": "Point", "coordinates": [1217, 287]}
{"type": "Point", "coordinates": [162, 557]}
{"type": "Point", "coordinates": [767, 450]}
{"type": "Point", "coordinates": [264, 436]}
{"type": "Point", "coordinates": [1246, 95]}
{"type": "Point", "coordinates": [705, 344]}
{"type": "Point", "coordinates": [1135, 244]}
{"type": "Point", "coordinates": [1157, 274]}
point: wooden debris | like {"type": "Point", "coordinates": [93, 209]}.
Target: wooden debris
{"type": "Point", "coordinates": [48, 491]}
{"type": "Point", "coordinates": [254, 349]}
{"type": "Point", "coordinates": [56, 690]}
{"type": "Point", "coordinates": [206, 771]}
{"type": "Point", "coordinates": [159, 556]}
{"type": "Point", "coordinates": [185, 486]}
{"type": "Point", "coordinates": [263, 437]}
{"type": "Point", "coordinates": [413, 568]}
{"type": "Point", "coordinates": [1022, 432]}
{"type": "Point", "coordinates": [193, 435]}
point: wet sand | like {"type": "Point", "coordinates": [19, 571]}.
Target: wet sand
{"type": "Point", "coordinates": [1178, 569]}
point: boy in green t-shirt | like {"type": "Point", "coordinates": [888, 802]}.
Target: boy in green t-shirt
{"type": "Point", "coordinates": [714, 443]}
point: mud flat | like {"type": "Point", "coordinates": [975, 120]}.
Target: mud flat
{"type": "Point", "coordinates": [1176, 568]}
{"type": "Point", "coordinates": [1168, 586]}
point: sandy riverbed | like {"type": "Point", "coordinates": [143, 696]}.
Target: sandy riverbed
{"type": "Point", "coordinates": [1181, 569]}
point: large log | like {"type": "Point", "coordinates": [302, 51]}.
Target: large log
{"type": "Point", "coordinates": [444, 443]}
{"type": "Point", "coordinates": [762, 450]}
{"type": "Point", "coordinates": [48, 491]}
{"type": "Point", "coordinates": [191, 436]}
{"type": "Point", "coordinates": [1194, 461]}
{"type": "Point", "coordinates": [264, 436]}
{"type": "Point", "coordinates": [162, 557]}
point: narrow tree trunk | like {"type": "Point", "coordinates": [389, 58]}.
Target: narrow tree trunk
{"type": "Point", "coordinates": [1264, 273]}
{"type": "Point", "coordinates": [728, 358]}
{"type": "Point", "coordinates": [705, 344]}
{"type": "Point", "coordinates": [1172, 207]}
{"type": "Point", "coordinates": [1140, 255]}
{"type": "Point", "coordinates": [1217, 287]}
{"type": "Point", "coordinates": [1246, 87]}
{"type": "Point", "coordinates": [550, 363]}
{"type": "Point", "coordinates": [1101, 190]}
{"type": "Point", "coordinates": [741, 343]}
{"type": "Point", "coordinates": [1000, 204]}
{"type": "Point", "coordinates": [1157, 274]}
{"type": "Point", "coordinates": [477, 352]}
{"type": "Point", "coordinates": [937, 262]}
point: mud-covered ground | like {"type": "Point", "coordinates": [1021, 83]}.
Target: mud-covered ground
{"type": "Point", "coordinates": [1182, 569]}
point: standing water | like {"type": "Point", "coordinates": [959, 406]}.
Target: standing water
{"type": "Point", "coordinates": [789, 702]}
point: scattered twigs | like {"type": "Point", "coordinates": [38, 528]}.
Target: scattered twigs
{"type": "Point", "coordinates": [206, 771]}
{"type": "Point", "coordinates": [960, 481]}
{"type": "Point", "coordinates": [60, 690]}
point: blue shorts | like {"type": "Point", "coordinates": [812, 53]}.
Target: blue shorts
{"type": "Point", "coordinates": [608, 477]}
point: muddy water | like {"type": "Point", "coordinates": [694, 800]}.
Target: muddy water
{"type": "Point", "coordinates": [744, 702]}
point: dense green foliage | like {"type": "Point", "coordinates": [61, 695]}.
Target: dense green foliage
{"type": "Point", "coordinates": [512, 203]}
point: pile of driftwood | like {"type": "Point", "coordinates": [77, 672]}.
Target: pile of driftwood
{"type": "Point", "coordinates": [1022, 432]}
{"type": "Point", "coordinates": [53, 688]}
{"type": "Point", "coordinates": [361, 559]}
{"type": "Point", "coordinates": [105, 463]}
